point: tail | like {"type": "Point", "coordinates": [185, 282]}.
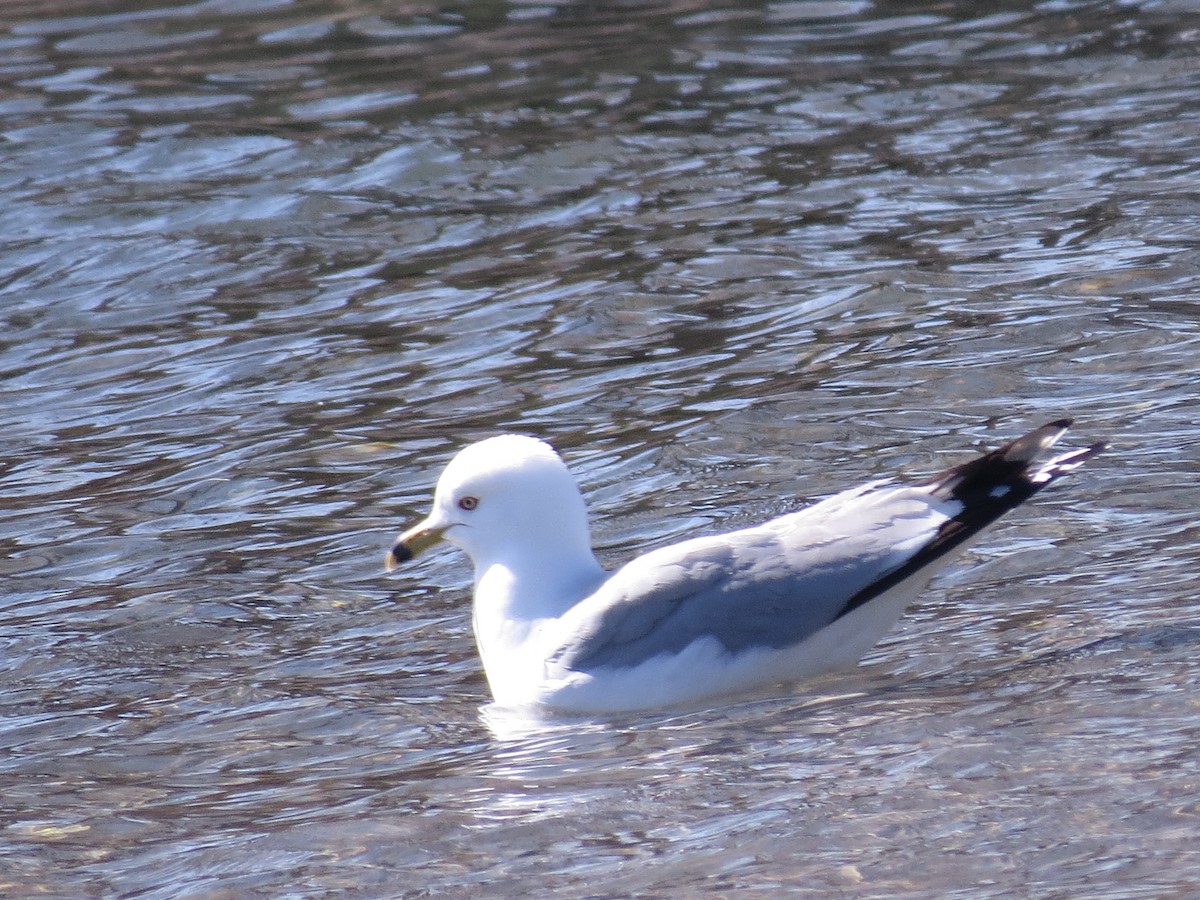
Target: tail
{"type": "Point", "coordinates": [985, 489]}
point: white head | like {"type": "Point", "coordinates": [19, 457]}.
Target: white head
{"type": "Point", "coordinates": [506, 500]}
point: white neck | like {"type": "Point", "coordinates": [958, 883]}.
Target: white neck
{"type": "Point", "coordinates": [512, 605]}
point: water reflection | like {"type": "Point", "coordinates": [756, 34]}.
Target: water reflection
{"type": "Point", "coordinates": [267, 265]}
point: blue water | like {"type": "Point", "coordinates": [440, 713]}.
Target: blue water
{"type": "Point", "coordinates": [265, 265]}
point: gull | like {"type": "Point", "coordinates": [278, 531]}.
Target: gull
{"type": "Point", "coordinates": [712, 617]}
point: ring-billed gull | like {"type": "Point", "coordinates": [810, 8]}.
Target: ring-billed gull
{"type": "Point", "coordinates": [806, 593]}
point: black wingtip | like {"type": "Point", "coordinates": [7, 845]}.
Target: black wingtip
{"type": "Point", "coordinates": [1028, 447]}
{"type": "Point", "coordinates": [1018, 463]}
{"type": "Point", "coordinates": [987, 487]}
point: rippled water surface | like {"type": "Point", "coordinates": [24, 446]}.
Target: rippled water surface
{"type": "Point", "coordinates": [266, 264]}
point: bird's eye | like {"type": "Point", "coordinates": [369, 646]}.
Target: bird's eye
{"type": "Point", "coordinates": [468, 503]}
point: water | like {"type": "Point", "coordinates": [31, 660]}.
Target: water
{"type": "Point", "coordinates": [267, 264]}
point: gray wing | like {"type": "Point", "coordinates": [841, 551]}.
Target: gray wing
{"type": "Point", "coordinates": [769, 586]}
{"type": "Point", "coordinates": [775, 585]}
